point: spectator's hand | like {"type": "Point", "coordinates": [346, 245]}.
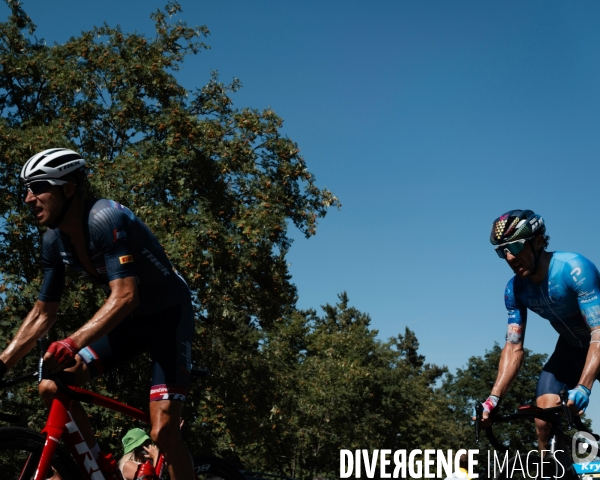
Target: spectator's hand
{"type": "Point", "coordinates": [60, 355]}
{"type": "Point", "coordinates": [152, 453]}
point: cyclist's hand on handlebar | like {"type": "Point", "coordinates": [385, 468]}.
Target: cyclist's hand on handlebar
{"type": "Point", "coordinates": [60, 355]}
{"type": "Point", "coordinates": [488, 406]}
{"type": "Point", "coordinates": [579, 398]}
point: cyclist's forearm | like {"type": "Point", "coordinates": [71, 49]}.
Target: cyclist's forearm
{"type": "Point", "coordinates": [36, 325]}
{"type": "Point", "coordinates": [121, 302]}
{"type": "Point", "coordinates": [511, 360]}
{"type": "Point", "coordinates": [592, 366]}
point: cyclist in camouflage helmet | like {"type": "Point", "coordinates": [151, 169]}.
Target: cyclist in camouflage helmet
{"type": "Point", "coordinates": [561, 287]}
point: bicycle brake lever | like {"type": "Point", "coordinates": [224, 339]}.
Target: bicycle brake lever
{"type": "Point", "coordinates": [42, 344]}
{"type": "Point", "coordinates": [564, 398]}
{"type": "Point", "coordinates": [478, 418]}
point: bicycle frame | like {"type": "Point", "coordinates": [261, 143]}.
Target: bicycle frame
{"type": "Point", "coordinates": [60, 424]}
{"type": "Point", "coordinates": [559, 450]}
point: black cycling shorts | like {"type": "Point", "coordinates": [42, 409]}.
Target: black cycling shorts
{"type": "Point", "coordinates": [165, 336]}
{"type": "Point", "coordinates": [562, 370]}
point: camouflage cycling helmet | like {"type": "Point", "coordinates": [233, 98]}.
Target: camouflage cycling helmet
{"type": "Point", "coordinates": [516, 225]}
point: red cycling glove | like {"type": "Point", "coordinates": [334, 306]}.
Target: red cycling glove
{"type": "Point", "coordinates": [64, 351]}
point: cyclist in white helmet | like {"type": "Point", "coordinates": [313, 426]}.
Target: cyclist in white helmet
{"type": "Point", "coordinates": [148, 306]}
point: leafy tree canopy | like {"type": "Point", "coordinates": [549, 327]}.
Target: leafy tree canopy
{"type": "Point", "coordinates": [218, 185]}
{"type": "Point", "coordinates": [327, 383]}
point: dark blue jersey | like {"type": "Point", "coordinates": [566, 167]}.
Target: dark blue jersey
{"type": "Point", "coordinates": [119, 245]}
{"type": "Point", "coordinates": [569, 297]}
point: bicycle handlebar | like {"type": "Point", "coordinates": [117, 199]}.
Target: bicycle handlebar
{"type": "Point", "coordinates": [64, 382]}
{"type": "Point", "coordinates": [478, 420]}
{"type": "Point", "coordinates": [550, 415]}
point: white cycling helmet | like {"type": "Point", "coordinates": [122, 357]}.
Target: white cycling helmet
{"type": "Point", "coordinates": [52, 164]}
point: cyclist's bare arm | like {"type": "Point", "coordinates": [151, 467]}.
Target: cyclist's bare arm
{"type": "Point", "coordinates": [592, 364]}
{"type": "Point", "coordinates": [121, 302]}
{"type": "Point", "coordinates": [511, 360]}
{"type": "Point", "coordinates": [36, 325]}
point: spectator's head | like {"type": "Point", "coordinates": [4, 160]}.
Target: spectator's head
{"type": "Point", "coordinates": [134, 442]}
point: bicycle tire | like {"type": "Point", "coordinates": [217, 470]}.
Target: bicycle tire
{"type": "Point", "coordinates": [214, 468]}
{"type": "Point", "coordinates": [20, 450]}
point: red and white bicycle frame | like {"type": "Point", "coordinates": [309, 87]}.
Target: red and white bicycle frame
{"type": "Point", "coordinates": [60, 424]}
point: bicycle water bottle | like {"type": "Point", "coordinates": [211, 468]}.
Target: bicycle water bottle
{"type": "Point", "coordinates": [146, 472]}
{"type": "Point", "coordinates": [109, 466]}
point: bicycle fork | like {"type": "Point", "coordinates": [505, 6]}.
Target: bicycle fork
{"type": "Point", "coordinates": [60, 422]}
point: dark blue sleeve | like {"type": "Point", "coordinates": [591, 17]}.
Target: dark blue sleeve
{"type": "Point", "coordinates": [54, 269]}
{"type": "Point", "coordinates": [582, 276]}
{"type": "Point", "coordinates": [517, 314]}
{"type": "Point", "coordinates": [110, 229]}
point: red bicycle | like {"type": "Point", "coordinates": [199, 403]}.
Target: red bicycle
{"type": "Point", "coordinates": [28, 455]}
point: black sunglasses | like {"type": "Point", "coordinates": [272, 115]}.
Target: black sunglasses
{"type": "Point", "coordinates": [42, 186]}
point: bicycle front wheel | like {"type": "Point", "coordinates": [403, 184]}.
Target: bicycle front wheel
{"type": "Point", "coordinates": [20, 451]}
{"type": "Point", "coordinates": [213, 468]}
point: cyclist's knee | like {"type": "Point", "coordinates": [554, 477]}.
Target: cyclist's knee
{"type": "Point", "coordinates": [165, 416]}
{"type": "Point", "coordinates": [165, 435]}
{"type": "Point", "coordinates": [542, 425]}
{"type": "Point", "coordinates": [47, 390]}
{"type": "Point", "coordinates": [547, 400]}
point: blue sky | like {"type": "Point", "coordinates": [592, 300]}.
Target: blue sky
{"type": "Point", "coordinates": [428, 120]}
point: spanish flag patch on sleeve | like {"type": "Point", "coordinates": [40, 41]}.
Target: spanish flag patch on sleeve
{"type": "Point", "coordinates": [126, 259]}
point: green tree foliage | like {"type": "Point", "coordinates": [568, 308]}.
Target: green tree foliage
{"type": "Point", "coordinates": [327, 383]}
{"type": "Point", "coordinates": [218, 185]}
{"type": "Point", "coordinates": [474, 383]}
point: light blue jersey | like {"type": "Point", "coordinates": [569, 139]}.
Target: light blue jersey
{"type": "Point", "coordinates": [569, 297]}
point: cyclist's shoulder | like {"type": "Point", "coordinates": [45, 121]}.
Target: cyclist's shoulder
{"type": "Point", "coordinates": [107, 212]}
{"type": "Point", "coordinates": [565, 262]}
{"type": "Point", "coordinates": [514, 283]}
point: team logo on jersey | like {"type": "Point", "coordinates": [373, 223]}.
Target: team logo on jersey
{"type": "Point", "coordinates": [126, 259]}
{"type": "Point", "coordinates": [118, 235]}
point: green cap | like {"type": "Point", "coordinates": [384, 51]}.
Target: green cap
{"type": "Point", "coordinates": [133, 439]}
